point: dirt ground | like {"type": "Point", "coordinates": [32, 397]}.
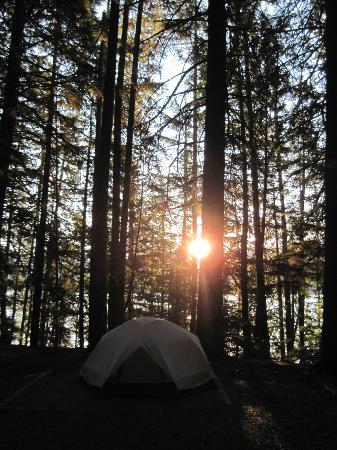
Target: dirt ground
{"type": "Point", "coordinates": [272, 406]}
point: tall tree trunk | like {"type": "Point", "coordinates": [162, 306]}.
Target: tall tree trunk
{"type": "Point", "coordinates": [98, 262]}
{"type": "Point", "coordinates": [29, 280]}
{"type": "Point", "coordinates": [10, 97]}
{"type": "Point", "coordinates": [44, 331]}
{"type": "Point", "coordinates": [58, 301]}
{"type": "Point", "coordinates": [4, 272]}
{"type": "Point", "coordinates": [284, 229]}
{"type": "Point", "coordinates": [39, 256]}
{"type": "Point", "coordinates": [194, 265]}
{"type": "Point", "coordinates": [279, 285]}
{"type": "Point", "coordinates": [115, 307]}
{"type": "Point", "coordinates": [209, 316]}
{"type": "Point", "coordinates": [27, 289]}
{"type": "Point", "coordinates": [284, 240]}
{"type": "Point", "coordinates": [246, 327]}
{"type": "Point", "coordinates": [82, 243]}
{"type": "Point", "coordinates": [262, 332]}
{"type": "Point", "coordinates": [128, 164]}
{"type": "Point", "coordinates": [129, 302]}
{"type": "Point", "coordinates": [301, 289]}
{"type": "Point", "coordinates": [7, 128]}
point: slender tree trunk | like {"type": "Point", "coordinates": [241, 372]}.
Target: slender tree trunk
{"type": "Point", "coordinates": [44, 332]}
{"type": "Point", "coordinates": [4, 272]}
{"type": "Point", "coordinates": [265, 179]}
{"type": "Point", "coordinates": [27, 290]}
{"type": "Point", "coordinates": [7, 128]}
{"type": "Point", "coordinates": [99, 102]}
{"type": "Point", "coordinates": [15, 287]}
{"type": "Point", "coordinates": [284, 229]}
{"type": "Point", "coordinates": [82, 243]}
{"type": "Point", "coordinates": [41, 230]}
{"type": "Point", "coordinates": [129, 302]}
{"type": "Point", "coordinates": [29, 280]}
{"type": "Point", "coordinates": [98, 263]}
{"type": "Point", "coordinates": [58, 301]}
{"type": "Point", "coordinates": [262, 332]}
{"type": "Point", "coordinates": [163, 259]}
{"type": "Point", "coordinates": [10, 97]}
{"type": "Point", "coordinates": [209, 317]}
{"type": "Point", "coordinates": [116, 307]}
{"type": "Point", "coordinates": [179, 297]}
{"type": "Point", "coordinates": [284, 236]}
{"type": "Point", "coordinates": [194, 266]}
{"type": "Point", "coordinates": [301, 291]}
{"type": "Point", "coordinates": [246, 327]}
{"type": "Point", "coordinates": [279, 286]}
{"type": "Point", "coordinates": [128, 165]}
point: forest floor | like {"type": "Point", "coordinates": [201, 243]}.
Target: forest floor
{"type": "Point", "coordinates": [272, 405]}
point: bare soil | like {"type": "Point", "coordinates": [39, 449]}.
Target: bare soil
{"type": "Point", "coordinates": [273, 406]}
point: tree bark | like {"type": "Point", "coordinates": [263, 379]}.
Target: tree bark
{"type": "Point", "coordinates": [329, 329]}
{"type": "Point", "coordinates": [210, 302]}
{"type": "Point", "coordinates": [279, 286]}
{"type": "Point", "coordinates": [262, 332]}
{"type": "Point", "coordinates": [194, 266]}
{"type": "Point", "coordinates": [39, 256]}
{"type": "Point", "coordinates": [83, 242]}
{"type": "Point", "coordinates": [10, 97]}
{"type": "Point", "coordinates": [128, 165]}
{"type": "Point", "coordinates": [301, 289]}
{"type": "Point", "coordinates": [7, 128]}
{"type": "Point", "coordinates": [129, 302]}
{"type": "Point", "coordinates": [246, 327]}
{"type": "Point", "coordinates": [284, 240]}
{"type": "Point", "coordinates": [115, 306]}
{"type": "Point", "coordinates": [98, 262]}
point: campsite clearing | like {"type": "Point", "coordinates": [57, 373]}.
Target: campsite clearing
{"type": "Point", "coordinates": [273, 406]}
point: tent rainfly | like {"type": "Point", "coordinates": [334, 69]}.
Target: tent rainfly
{"type": "Point", "coordinates": [148, 350]}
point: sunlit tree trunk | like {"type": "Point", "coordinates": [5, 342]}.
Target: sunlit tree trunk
{"type": "Point", "coordinates": [98, 262]}
{"type": "Point", "coordinates": [209, 315]}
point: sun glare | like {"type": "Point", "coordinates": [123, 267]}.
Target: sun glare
{"type": "Point", "coordinates": [199, 248]}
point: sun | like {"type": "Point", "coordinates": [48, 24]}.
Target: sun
{"type": "Point", "coordinates": [199, 248]}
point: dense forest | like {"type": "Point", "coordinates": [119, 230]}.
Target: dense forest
{"type": "Point", "coordinates": [130, 129]}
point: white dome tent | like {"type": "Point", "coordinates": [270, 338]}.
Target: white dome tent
{"type": "Point", "coordinates": [148, 351]}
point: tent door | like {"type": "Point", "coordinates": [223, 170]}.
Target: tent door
{"type": "Point", "coordinates": [140, 368]}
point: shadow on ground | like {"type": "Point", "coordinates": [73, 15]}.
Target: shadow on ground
{"type": "Point", "coordinates": [273, 407]}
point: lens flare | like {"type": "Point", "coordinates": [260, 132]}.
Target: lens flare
{"type": "Point", "coordinates": [199, 248]}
